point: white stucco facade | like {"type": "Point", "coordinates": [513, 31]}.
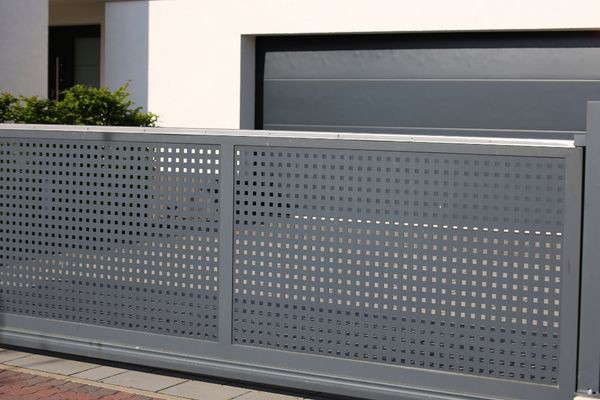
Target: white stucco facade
{"type": "Point", "coordinates": [24, 47]}
{"type": "Point", "coordinates": [195, 61]}
{"type": "Point", "coordinates": [126, 48]}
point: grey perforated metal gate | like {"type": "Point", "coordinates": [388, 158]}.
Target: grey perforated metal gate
{"type": "Point", "coordinates": [376, 266]}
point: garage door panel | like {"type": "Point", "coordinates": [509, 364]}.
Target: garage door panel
{"type": "Point", "coordinates": [457, 63]}
{"type": "Point", "coordinates": [517, 81]}
{"type": "Point", "coordinates": [350, 105]}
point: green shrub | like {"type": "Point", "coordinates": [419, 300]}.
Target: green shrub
{"type": "Point", "coordinates": [81, 105]}
{"type": "Point", "coordinates": [36, 110]}
{"type": "Point", "coordinates": [7, 104]}
{"type": "Point", "coordinates": [84, 105]}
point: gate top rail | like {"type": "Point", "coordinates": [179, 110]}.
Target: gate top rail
{"type": "Point", "coordinates": [451, 136]}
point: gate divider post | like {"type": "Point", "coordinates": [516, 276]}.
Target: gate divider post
{"type": "Point", "coordinates": [226, 176]}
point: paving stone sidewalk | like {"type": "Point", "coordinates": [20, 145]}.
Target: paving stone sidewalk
{"type": "Point", "coordinates": [19, 385]}
{"type": "Point", "coordinates": [27, 376]}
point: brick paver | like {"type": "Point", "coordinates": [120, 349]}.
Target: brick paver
{"type": "Point", "coordinates": [26, 376]}
{"type": "Point", "coordinates": [22, 386]}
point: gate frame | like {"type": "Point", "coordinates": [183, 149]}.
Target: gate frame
{"type": "Point", "coordinates": [240, 362]}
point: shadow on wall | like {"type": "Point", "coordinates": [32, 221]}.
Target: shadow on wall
{"type": "Point", "coordinates": [127, 49]}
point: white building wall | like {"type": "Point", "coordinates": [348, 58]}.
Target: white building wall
{"type": "Point", "coordinates": [24, 47]}
{"type": "Point", "coordinates": [194, 59]}
{"type": "Point", "coordinates": [126, 48]}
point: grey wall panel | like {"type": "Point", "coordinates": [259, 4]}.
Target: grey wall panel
{"type": "Point", "coordinates": [345, 105]}
{"type": "Point", "coordinates": [467, 63]}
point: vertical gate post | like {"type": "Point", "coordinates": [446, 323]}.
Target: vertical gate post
{"type": "Point", "coordinates": [226, 244]}
{"type": "Point", "coordinates": [589, 325]}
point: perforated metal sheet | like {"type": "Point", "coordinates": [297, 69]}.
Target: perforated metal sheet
{"type": "Point", "coordinates": [447, 262]}
{"type": "Point", "coordinates": [117, 234]}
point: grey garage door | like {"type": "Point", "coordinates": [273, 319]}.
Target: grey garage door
{"type": "Point", "coordinates": [381, 83]}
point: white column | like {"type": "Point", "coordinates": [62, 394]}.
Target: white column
{"type": "Point", "coordinates": [24, 47]}
{"type": "Point", "coordinates": [126, 48]}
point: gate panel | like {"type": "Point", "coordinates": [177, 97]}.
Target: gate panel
{"type": "Point", "coordinates": [440, 261]}
{"type": "Point", "coordinates": [384, 268]}
{"type": "Point", "coordinates": [122, 235]}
